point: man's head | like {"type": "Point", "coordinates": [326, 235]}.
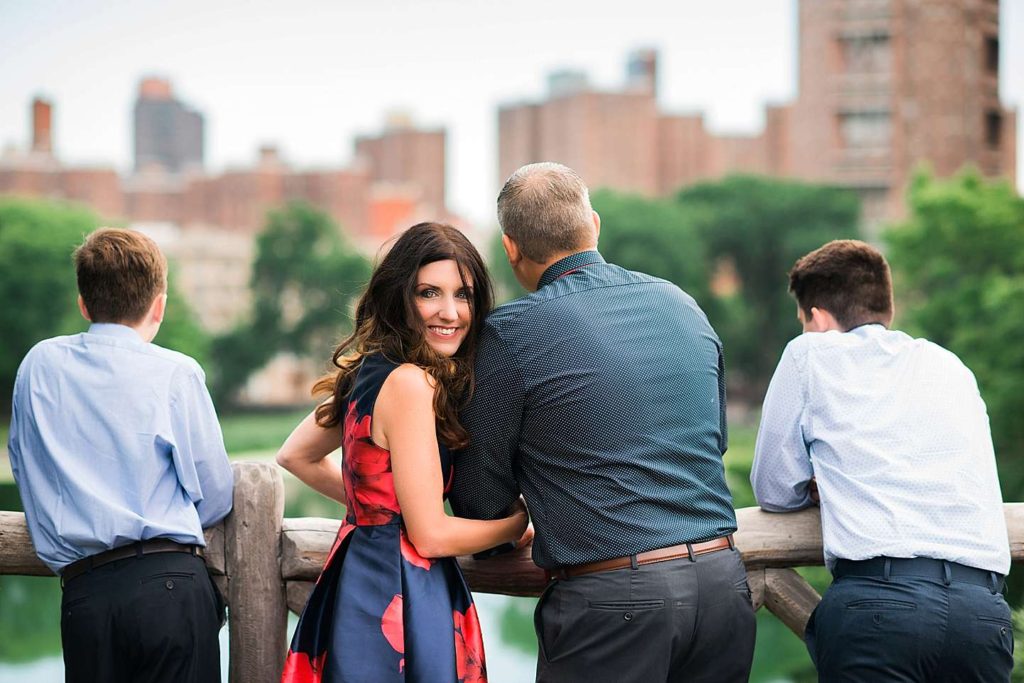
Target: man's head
{"type": "Point", "coordinates": [545, 214]}
{"type": "Point", "coordinates": [122, 278]}
{"type": "Point", "coordinates": [842, 285]}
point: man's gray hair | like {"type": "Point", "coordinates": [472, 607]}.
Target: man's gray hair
{"type": "Point", "coordinates": [545, 209]}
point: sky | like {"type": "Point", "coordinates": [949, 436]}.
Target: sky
{"type": "Point", "coordinates": [308, 75]}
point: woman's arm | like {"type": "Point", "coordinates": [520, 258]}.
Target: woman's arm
{"type": "Point", "coordinates": [304, 454]}
{"type": "Point", "coordinates": [404, 412]}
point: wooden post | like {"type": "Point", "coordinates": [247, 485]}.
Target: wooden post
{"type": "Point", "coordinates": [258, 617]}
{"type": "Point", "coordinates": [790, 598]}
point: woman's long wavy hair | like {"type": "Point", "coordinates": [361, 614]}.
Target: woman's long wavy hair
{"type": "Point", "coordinates": [388, 322]}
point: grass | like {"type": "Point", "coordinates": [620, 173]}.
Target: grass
{"type": "Point", "coordinates": [258, 433]}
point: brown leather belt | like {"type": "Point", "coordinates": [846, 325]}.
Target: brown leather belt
{"type": "Point", "coordinates": [690, 550]}
{"type": "Point", "coordinates": [137, 549]}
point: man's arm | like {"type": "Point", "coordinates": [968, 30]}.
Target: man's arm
{"type": "Point", "coordinates": [782, 472]}
{"type": "Point", "coordinates": [723, 443]}
{"type": "Point", "coordinates": [485, 486]}
{"type": "Point", "coordinates": [198, 449]}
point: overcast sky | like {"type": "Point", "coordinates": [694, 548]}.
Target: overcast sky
{"type": "Point", "coordinates": [308, 76]}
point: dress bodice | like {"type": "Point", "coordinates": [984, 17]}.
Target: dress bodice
{"type": "Point", "coordinates": [366, 467]}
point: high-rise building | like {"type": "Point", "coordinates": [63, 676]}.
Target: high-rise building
{"type": "Point", "coordinates": [884, 86]}
{"type": "Point", "coordinates": [168, 134]}
{"type": "Point", "coordinates": [407, 156]}
{"type": "Point", "coordinates": [642, 70]}
{"type": "Point", "coordinates": [610, 138]}
{"type": "Point", "coordinates": [42, 126]}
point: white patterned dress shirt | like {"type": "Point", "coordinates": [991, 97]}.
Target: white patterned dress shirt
{"type": "Point", "coordinates": [897, 437]}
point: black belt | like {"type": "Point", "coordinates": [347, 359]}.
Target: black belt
{"type": "Point", "coordinates": [137, 549]}
{"type": "Point", "coordinates": [920, 567]}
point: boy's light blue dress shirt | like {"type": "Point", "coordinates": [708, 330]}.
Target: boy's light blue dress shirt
{"type": "Point", "coordinates": [114, 440]}
{"type": "Point", "coordinates": [896, 434]}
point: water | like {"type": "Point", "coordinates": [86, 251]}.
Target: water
{"type": "Point", "coordinates": [506, 622]}
{"type": "Point", "coordinates": [30, 620]}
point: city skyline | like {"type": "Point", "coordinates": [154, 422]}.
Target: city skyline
{"type": "Point", "coordinates": [331, 73]}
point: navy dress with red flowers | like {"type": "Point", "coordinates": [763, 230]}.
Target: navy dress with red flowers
{"type": "Point", "coordinates": [380, 612]}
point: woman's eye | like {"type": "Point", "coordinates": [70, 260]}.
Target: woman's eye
{"type": "Point", "coordinates": [428, 293]}
{"type": "Point", "coordinates": [462, 294]}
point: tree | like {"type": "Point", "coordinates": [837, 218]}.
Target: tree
{"type": "Point", "coordinates": [38, 288]}
{"type": "Point", "coordinates": [654, 236]}
{"type": "Point", "coordinates": [757, 228]}
{"type": "Point", "coordinates": [37, 281]}
{"type": "Point", "coordinates": [304, 280]}
{"type": "Point", "coordinates": [958, 261]}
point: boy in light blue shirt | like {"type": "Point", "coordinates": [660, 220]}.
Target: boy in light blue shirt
{"type": "Point", "coordinates": [120, 463]}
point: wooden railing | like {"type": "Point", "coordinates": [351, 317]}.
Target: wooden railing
{"type": "Point", "coordinates": [266, 565]}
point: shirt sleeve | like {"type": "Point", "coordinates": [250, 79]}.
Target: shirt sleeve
{"type": "Point", "coordinates": [199, 456]}
{"type": "Point", "coordinates": [782, 465]}
{"type": "Point", "coordinates": [485, 485]}
{"type": "Point", "coordinates": [722, 423]}
{"type": "Point", "coordinates": [14, 433]}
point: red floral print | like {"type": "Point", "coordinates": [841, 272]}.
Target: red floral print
{"type": "Point", "coordinates": [412, 556]}
{"type": "Point", "coordinates": [469, 647]}
{"type": "Point", "coordinates": [369, 485]}
{"type": "Point", "coordinates": [394, 628]}
{"type": "Point", "coordinates": [299, 668]}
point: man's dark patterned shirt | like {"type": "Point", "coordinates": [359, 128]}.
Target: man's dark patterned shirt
{"type": "Point", "coordinates": [601, 398]}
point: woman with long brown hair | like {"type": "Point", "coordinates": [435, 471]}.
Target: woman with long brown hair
{"type": "Point", "coordinates": [391, 603]}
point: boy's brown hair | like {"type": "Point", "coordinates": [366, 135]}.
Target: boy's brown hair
{"type": "Point", "coordinates": [120, 273]}
{"type": "Point", "coordinates": [848, 278]}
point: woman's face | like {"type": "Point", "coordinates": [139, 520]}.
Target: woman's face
{"type": "Point", "coordinates": [444, 305]}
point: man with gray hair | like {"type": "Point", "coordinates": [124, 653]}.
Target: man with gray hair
{"type": "Point", "coordinates": [600, 397]}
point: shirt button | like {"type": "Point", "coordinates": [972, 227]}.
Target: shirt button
{"type": "Point", "coordinates": [628, 616]}
{"type": "Point", "coordinates": [170, 585]}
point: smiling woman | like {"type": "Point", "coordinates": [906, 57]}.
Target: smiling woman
{"type": "Point", "coordinates": [401, 607]}
{"type": "Point", "coordinates": [443, 300]}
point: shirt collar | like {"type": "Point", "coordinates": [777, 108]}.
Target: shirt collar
{"type": "Point", "coordinates": [114, 330]}
{"type": "Point", "coordinates": [867, 327]}
{"type": "Point", "coordinates": [571, 262]}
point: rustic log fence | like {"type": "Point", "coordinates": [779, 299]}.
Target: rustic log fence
{"type": "Point", "coordinates": [266, 565]}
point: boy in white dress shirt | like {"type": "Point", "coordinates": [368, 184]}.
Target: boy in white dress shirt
{"type": "Point", "coordinates": [894, 436]}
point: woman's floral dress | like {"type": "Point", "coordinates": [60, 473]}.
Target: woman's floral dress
{"type": "Point", "coordinates": [380, 612]}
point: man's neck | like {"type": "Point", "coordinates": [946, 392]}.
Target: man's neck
{"type": "Point", "coordinates": [532, 271]}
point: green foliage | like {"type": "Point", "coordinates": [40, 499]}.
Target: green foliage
{"type": "Point", "coordinates": [959, 269]}
{"type": "Point", "coordinates": [37, 280]}
{"type": "Point", "coordinates": [761, 226]}
{"type": "Point", "coordinates": [258, 431]}
{"type": "Point", "coordinates": [655, 237]}
{"type": "Point", "coordinates": [30, 627]}
{"type": "Point", "coordinates": [506, 287]}
{"type": "Point", "coordinates": [304, 280]}
{"type": "Point", "coordinates": [180, 330]}
{"type": "Point", "coordinates": [38, 288]}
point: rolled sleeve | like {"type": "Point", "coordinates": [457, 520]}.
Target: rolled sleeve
{"type": "Point", "coordinates": [782, 466]}
{"type": "Point", "coordinates": [200, 459]}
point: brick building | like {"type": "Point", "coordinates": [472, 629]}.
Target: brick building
{"type": "Point", "coordinates": [884, 85]}
{"type": "Point", "coordinates": [888, 84]}
{"type": "Point", "coordinates": [168, 133]}
{"type": "Point", "coordinates": [207, 222]}
{"type": "Point", "coordinates": [406, 155]}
